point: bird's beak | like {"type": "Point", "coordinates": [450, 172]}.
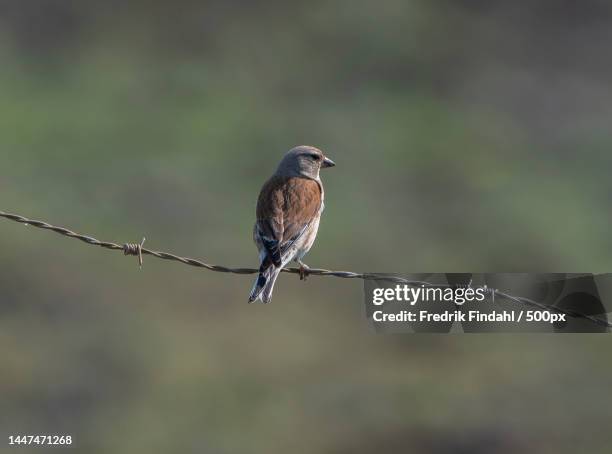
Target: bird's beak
{"type": "Point", "coordinates": [328, 163]}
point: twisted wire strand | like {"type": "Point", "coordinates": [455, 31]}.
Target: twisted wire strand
{"type": "Point", "coordinates": [137, 249]}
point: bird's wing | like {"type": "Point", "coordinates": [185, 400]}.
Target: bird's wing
{"type": "Point", "coordinates": [303, 204]}
{"type": "Point", "coordinates": [285, 209]}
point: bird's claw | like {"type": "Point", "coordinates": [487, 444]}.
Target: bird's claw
{"type": "Point", "coordinates": [304, 272]}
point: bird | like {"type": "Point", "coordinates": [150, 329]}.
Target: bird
{"type": "Point", "coordinates": [288, 211]}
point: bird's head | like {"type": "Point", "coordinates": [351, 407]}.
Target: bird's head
{"type": "Point", "coordinates": [304, 161]}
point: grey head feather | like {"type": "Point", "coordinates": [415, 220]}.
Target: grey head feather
{"type": "Point", "coordinates": [303, 161]}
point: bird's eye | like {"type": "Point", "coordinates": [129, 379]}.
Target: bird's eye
{"type": "Point", "coordinates": [316, 157]}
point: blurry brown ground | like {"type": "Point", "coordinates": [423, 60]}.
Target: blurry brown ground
{"type": "Point", "coordinates": [469, 136]}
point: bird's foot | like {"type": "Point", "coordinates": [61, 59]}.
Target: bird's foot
{"type": "Point", "coordinates": [304, 271]}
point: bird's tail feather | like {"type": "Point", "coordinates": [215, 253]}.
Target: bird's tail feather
{"type": "Point", "coordinates": [266, 295]}
{"type": "Point", "coordinates": [264, 284]}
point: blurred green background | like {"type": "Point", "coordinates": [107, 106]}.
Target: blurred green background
{"type": "Point", "coordinates": [469, 135]}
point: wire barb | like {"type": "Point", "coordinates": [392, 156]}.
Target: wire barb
{"type": "Point", "coordinates": [138, 250]}
{"type": "Point", "coordinates": [134, 249]}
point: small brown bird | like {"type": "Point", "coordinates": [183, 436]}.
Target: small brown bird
{"type": "Point", "coordinates": [288, 212]}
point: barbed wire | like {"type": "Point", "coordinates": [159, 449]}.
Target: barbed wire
{"type": "Point", "coordinates": [138, 250]}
